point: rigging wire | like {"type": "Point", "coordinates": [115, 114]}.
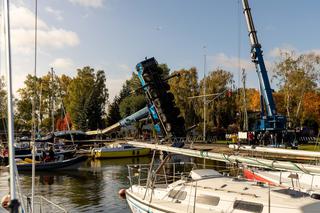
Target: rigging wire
{"type": "Point", "coordinates": [239, 53]}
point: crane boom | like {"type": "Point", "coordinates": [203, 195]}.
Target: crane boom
{"type": "Point", "coordinates": [257, 58]}
{"type": "Point", "coordinates": [270, 120]}
{"type": "Point", "coordinates": [142, 113]}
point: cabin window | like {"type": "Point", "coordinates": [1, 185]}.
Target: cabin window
{"type": "Point", "coordinates": [208, 200]}
{"type": "Point", "coordinates": [176, 194]}
{"type": "Point", "coordinates": [248, 206]}
{"type": "Point", "coordinates": [291, 193]}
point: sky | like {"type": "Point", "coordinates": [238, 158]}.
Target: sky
{"type": "Point", "coordinates": [115, 35]}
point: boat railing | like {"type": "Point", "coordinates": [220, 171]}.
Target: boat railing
{"type": "Point", "coordinates": [69, 147]}
{"type": "Point", "coordinates": [41, 204]}
{"type": "Point", "coordinates": [139, 174]}
{"type": "Point", "coordinates": [190, 140]}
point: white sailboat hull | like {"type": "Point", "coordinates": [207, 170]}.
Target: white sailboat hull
{"type": "Point", "coordinates": [218, 194]}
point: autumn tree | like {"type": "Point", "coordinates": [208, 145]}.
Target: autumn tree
{"type": "Point", "coordinates": [296, 76]}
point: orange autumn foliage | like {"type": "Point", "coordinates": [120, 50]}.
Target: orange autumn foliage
{"type": "Point", "coordinates": [62, 124]}
{"type": "Point", "coordinates": [311, 105]}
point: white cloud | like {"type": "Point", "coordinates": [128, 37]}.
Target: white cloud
{"type": "Point", "coordinates": [22, 31]}
{"type": "Point", "coordinates": [277, 51]}
{"type": "Point", "coordinates": [88, 3]}
{"type": "Point", "coordinates": [23, 17]}
{"type": "Point", "coordinates": [125, 67]}
{"type": "Point", "coordinates": [55, 13]}
{"type": "Point", "coordinates": [23, 39]}
{"type": "Point", "coordinates": [222, 60]}
{"type": "Point", "coordinates": [62, 63]}
{"type": "Point", "coordinates": [114, 86]}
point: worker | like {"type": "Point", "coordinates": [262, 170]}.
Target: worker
{"type": "Point", "coordinates": [250, 138]}
{"type": "Point", "coordinates": [51, 153]}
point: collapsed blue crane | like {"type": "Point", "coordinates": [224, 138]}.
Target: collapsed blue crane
{"type": "Point", "coordinates": [270, 120]}
{"type": "Point", "coordinates": [160, 104]}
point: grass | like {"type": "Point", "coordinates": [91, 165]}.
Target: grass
{"type": "Point", "coordinates": [309, 147]}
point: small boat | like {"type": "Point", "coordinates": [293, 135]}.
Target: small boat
{"type": "Point", "coordinates": [67, 164]}
{"type": "Point", "coordinates": [119, 151]}
{"type": "Point", "coordinates": [206, 190]}
{"type": "Point", "coordinates": [24, 150]}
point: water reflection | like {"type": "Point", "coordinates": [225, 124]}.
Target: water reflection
{"type": "Point", "coordinates": [93, 188]}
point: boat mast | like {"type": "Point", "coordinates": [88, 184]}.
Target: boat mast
{"type": "Point", "coordinates": [52, 100]}
{"type": "Point", "coordinates": [14, 203]}
{"type": "Point", "coordinates": [34, 109]}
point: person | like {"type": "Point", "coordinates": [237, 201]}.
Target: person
{"type": "Point", "coordinates": [44, 155]}
{"type": "Point", "coordinates": [250, 138]}
{"type": "Point", "coordinates": [51, 153]}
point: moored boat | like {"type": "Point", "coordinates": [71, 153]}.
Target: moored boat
{"type": "Point", "coordinates": [67, 164]}
{"type": "Point", "coordinates": [118, 151]}
{"type": "Point", "coordinates": [206, 190]}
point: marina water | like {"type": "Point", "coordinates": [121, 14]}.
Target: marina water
{"type": "Point", "coordinates": [92, 188]}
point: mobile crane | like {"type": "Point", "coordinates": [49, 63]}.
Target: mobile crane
{"type": "Point", "coordinates": [270, 120]}
{"type": "Point", "coordinates": [160, 105]}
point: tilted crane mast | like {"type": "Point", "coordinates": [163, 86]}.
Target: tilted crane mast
{"type": "Point", "coordinates": [160, 102]}
{"type": "Point", "coordinates": [270, 120]}
{"type": "Point", "coordinates": [160, 105]}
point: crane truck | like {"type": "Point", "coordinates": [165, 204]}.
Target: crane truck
{"type": "Point", "coordinates": [270, 121]}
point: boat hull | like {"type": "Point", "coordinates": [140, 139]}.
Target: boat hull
{"type": "Point", "coordinates": [122, 153]}
{"type": "Point", "coordinates": [69, 164]}
{"type": "Point", "coordinates": [141, 206]}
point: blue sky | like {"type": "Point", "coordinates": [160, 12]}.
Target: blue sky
{"type": "Point", "coordinates": [114, 35]}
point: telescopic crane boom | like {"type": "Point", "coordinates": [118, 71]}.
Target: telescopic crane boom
{"type": "Point", "coordinates": [269, 120]}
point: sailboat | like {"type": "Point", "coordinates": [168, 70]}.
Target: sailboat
{"type": "Point", "coordinates": [206, 190]}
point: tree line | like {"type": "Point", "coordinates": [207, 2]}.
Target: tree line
{"type": "Point", "coordinates": [81, 102]}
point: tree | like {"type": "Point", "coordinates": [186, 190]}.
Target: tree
{"type": "Point", "coordinates": [87, 98]}
{"type": "Point", "coordinates": [113, 112]}
{"type": "Point", "coordinates": [220, 109]}
{"type": "Point", "coordinates": [3, 105]}
{"type": "Point", "coordinates": [24, 104]}
{"type": "Point", "coordinates": [183, 88]}
{"type": "Point", "coordinates": [3, 98]}
{"type": "Point", "coordinates": [296, 75]}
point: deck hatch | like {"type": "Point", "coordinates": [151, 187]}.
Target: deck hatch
{"type": "Point", "coordinates": [177, 194]}
{"type": "Point", "coordinates": [208, 200]}
{"type": "Point", "coordinates": [248, 206]}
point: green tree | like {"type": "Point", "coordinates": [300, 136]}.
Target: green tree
{"type": "Point", "coordinates": [183, 88]}
{"type": "Point", "coordinates": [113, 112]}
{"type": "Point", "coordinates": [3, 106]}
{"type": "Point", "coordinates": [3, 98]}
{"type": "Point", "coordinates": [221, 110]}
{"type": "Point", "coordinates": [24, 104]}
{"type": "Point", "coordinates": [87, 98]}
